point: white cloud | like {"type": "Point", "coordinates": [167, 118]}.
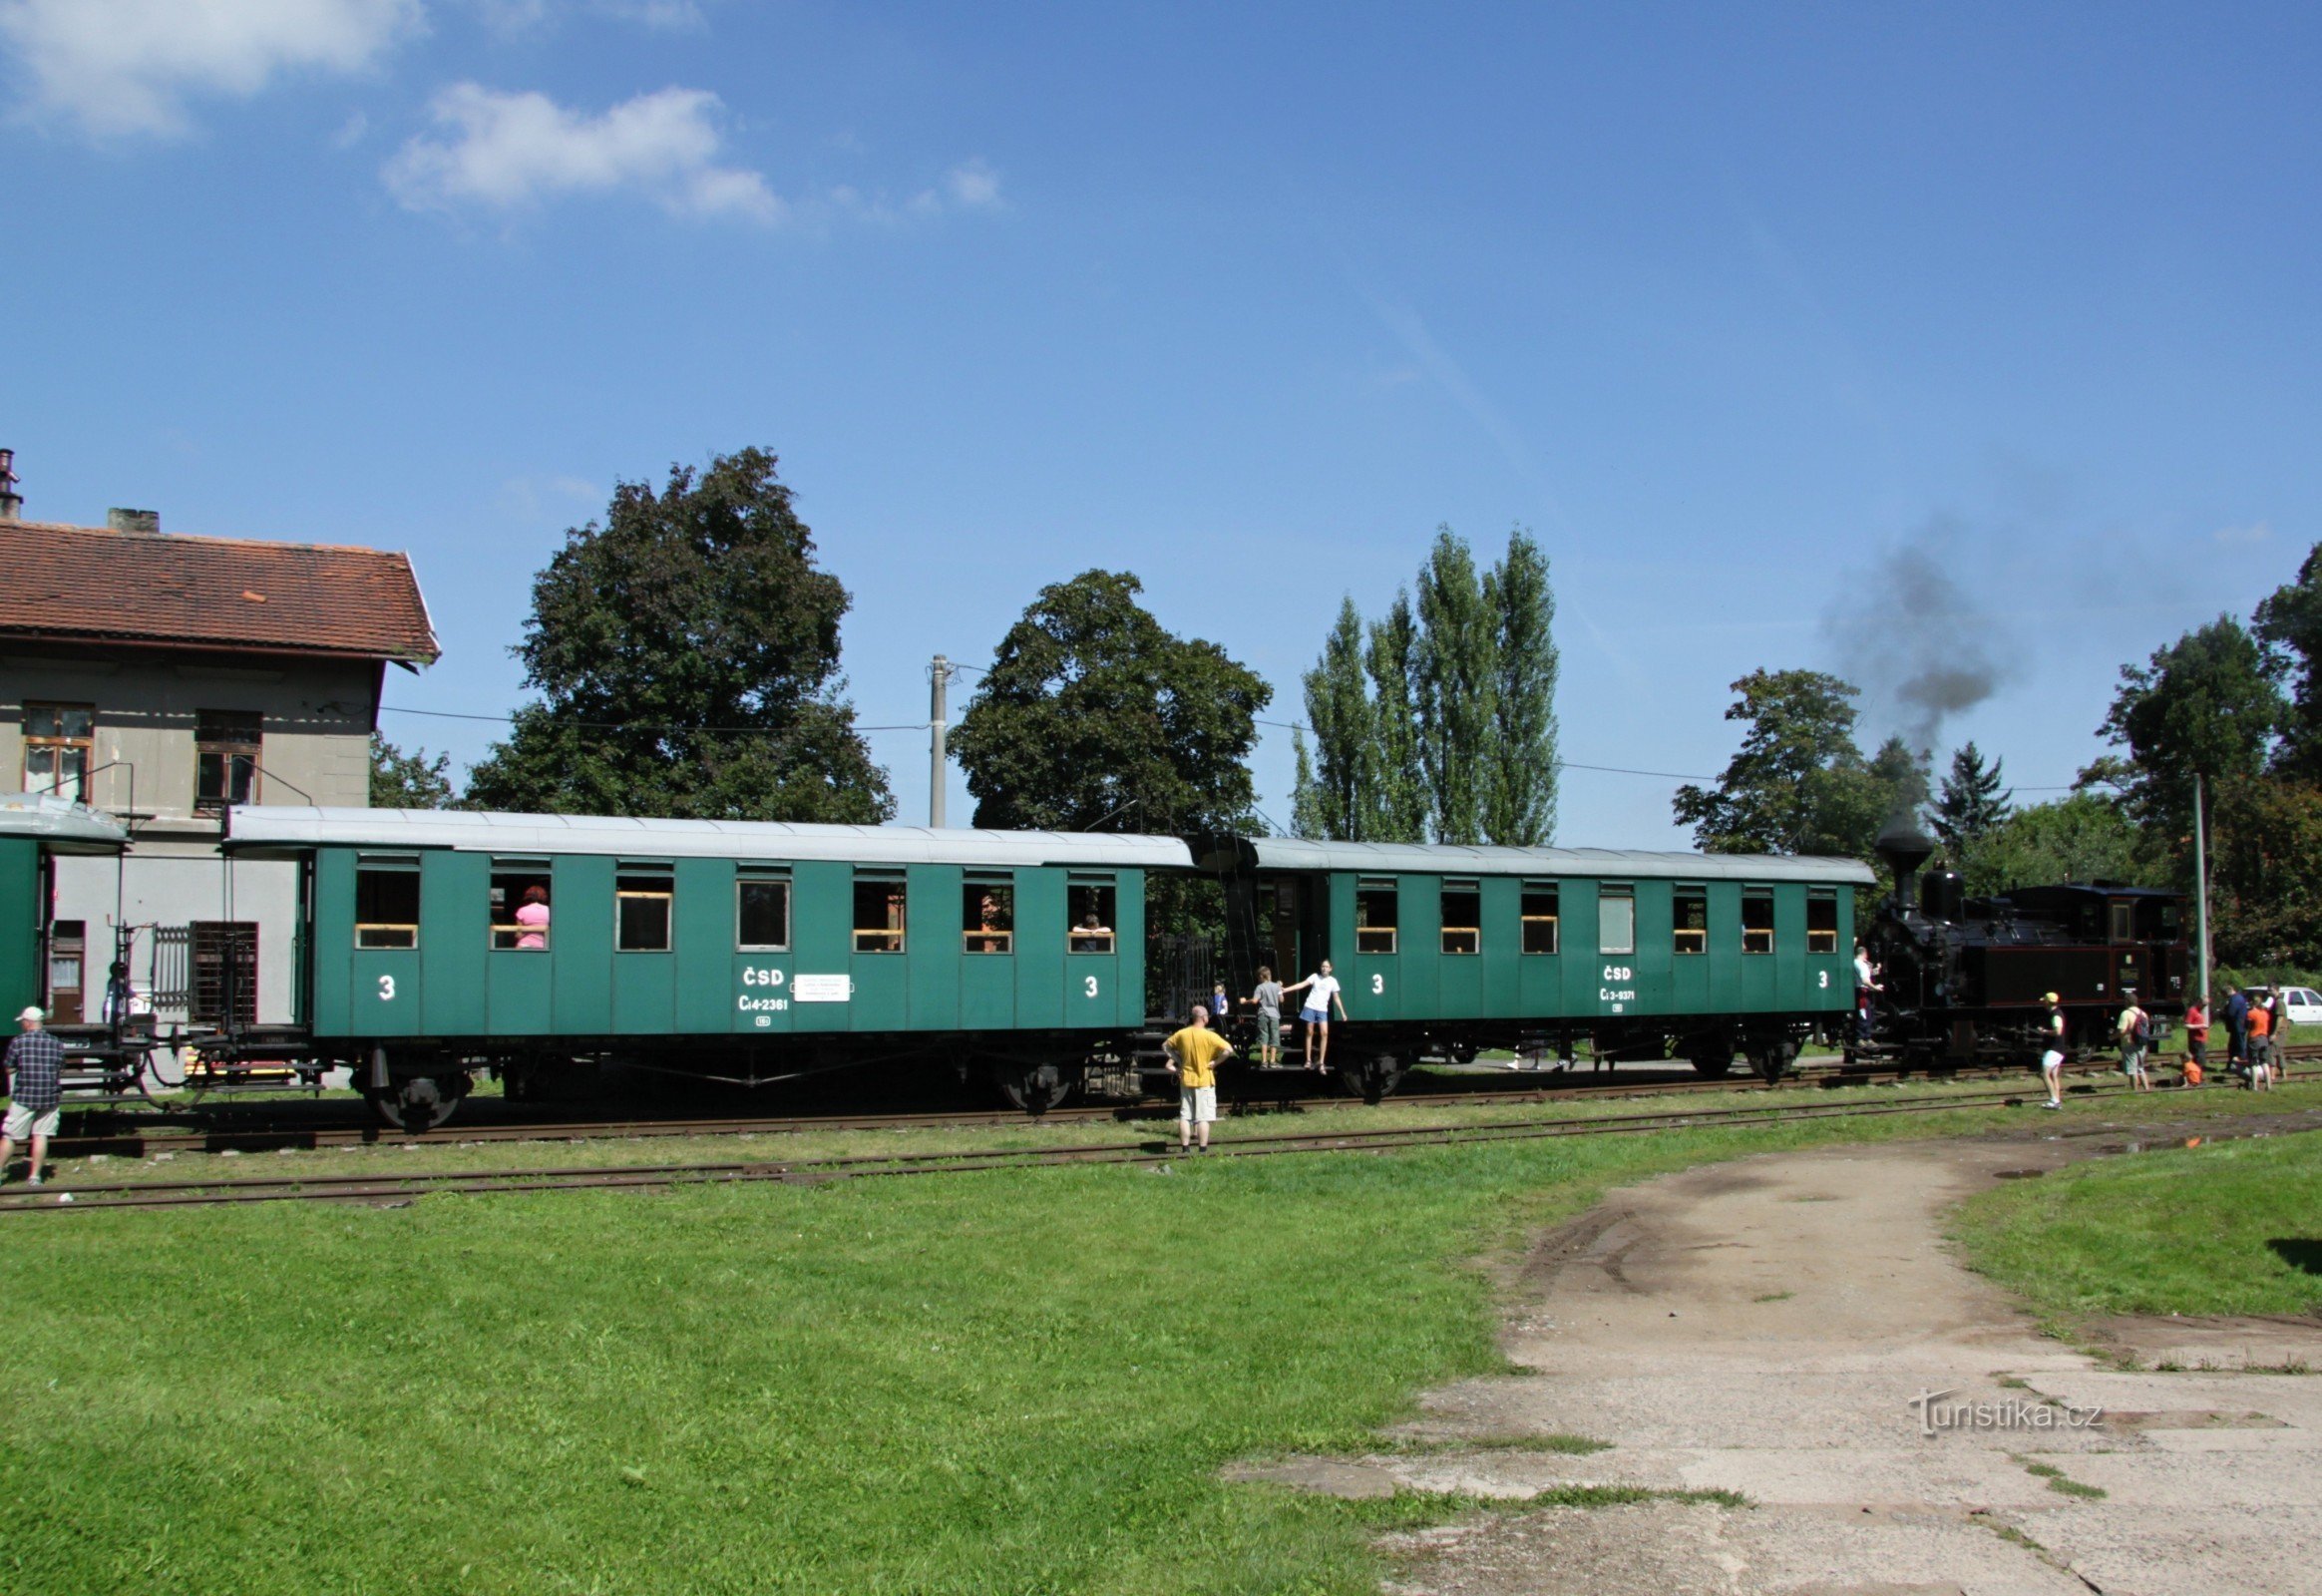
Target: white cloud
{"type": "Point", "coordinates": [2257, 531]}
{"type": "Point", "coordinates": [123, 66]}
{"type": "Point", "coordinates": [970, 186]}
{"type": "Point", "coordinates": [511, 17]}
{"type": "Point", "coordinates": [974, 185]}
{"type": "Point", "coordinates": [498, 150]}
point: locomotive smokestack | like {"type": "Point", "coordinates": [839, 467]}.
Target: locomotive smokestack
{"type": "Point", "coordinates": [1905, 847]}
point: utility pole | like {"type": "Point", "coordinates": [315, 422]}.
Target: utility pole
{"type": "Point", "coordinates": [938, 768]}
{"type": "Point", "coordinates": [2201, 886]}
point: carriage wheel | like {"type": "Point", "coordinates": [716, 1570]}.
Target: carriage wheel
{"type": "Point", "coordinates": [1371, 1078]}
{"type": "Point", "coordinates": [1034, 1088]}
{"type": "Point", "coordinates": [420, 1102]}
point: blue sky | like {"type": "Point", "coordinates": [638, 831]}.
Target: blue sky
{"type": "Point", "coordinates": [1730, 305]}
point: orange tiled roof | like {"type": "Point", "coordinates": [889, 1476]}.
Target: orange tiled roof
{"type": "Point", "coordinates": [226, 593]}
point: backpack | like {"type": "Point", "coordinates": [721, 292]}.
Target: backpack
{"type": "Point", "coordinates": [2142, 1034]}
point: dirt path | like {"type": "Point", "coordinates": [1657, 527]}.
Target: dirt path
{"type": "Point", "coordinates": [1773, 1328]}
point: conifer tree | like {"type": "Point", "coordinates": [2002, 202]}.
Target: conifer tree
{"type": "Point", "coordinates": [1971, 803]}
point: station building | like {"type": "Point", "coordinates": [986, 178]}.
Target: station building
{"type": "Point", "coordinates": [161, 678]}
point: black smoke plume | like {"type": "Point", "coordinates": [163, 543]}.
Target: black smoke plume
{"type": "Point", "coordinates": [1909, 634]}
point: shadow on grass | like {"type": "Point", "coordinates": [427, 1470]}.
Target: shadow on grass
{"type": "Point", "coordinates": [2300, 1253]}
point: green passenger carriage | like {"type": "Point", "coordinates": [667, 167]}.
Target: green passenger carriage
{"type": "Point", "coordinates": [789, 948]}
{"type": "Point", "coordinates": [1444, 950]}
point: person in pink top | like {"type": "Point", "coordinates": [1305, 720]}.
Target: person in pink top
{"type": "Point", "coordinates": [533, 916]}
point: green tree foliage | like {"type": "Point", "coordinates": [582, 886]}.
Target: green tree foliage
{"type": "Point", "coordinates": [1307, 818]}
{"type": "Point", "coordinates": [408, 781]}
{"type": "Point", "coordinates": [2265, 872]}
{"type": "Point", "coordinates": [1519, 799]}
{"type": "Point", "coordinates": [1800, 784]}
{"type": "Point", "coordinates": [1456, 689]}
{"type": "Point", "coordinates": [1339, 797]}
{"type": "Point", "coordinates": [2204, 705]}
{"type": "Point", "coordinates": [2288, 626]}
{"type": "Point", "coordinates": [1972, 801]}
{"type": "Point", "coordinates": [1399, 810]}
{"type": "Point", "coordinates": [687, 658]}
{"type": "Point", "coordinates": [2080, 838]}
{"type": "Point", "coordinates": [1094, 718]}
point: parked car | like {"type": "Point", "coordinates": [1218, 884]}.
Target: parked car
{"type": "Point", "coordinates": [2304, 1005]}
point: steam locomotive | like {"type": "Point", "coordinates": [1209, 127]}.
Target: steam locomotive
{"type": "Point", "coordinates": [1965, 978]}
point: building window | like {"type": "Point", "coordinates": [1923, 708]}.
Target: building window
{"type": "Point", "coordinates": [1756, 921]}
{"type": "Point", "coordinates": [642, 895]}
{"type": "Point", "coordinates": [879, 914]}
{"type": "Point", "coordinates": [762, 913]}
{"type": "Point", "coordinates": [226, 971]}
{"type": "Point", "coordinates": [226, 758]}
{"type": "Point", "coordinates": [1376, 911]}
{"type": "Point", "coordinates": [1617, 920]}
{"type": "Point", "coordinates": [1462, 904]}
{"type": "Point", "coordinates": [1821, 922]}
{"type": "Point", "coordinates": [387, 903]}
{"type": "Point", "coordinates": [1690, 933]}
{"type": "Point", "coordinates": [1089, 904]}
{"type": "Point", "coordinates": [988, 915]}
{"type": "Point", "coordinates": [519, 905]}
{"type": "Point", "coordinates": [1539, 912]}
{"type": "Point", "coordinates": [56, 743]}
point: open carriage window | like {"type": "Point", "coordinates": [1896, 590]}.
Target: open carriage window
{"type": "Point", "coordinates": [1089, 904]}
{"type": "Point", "coordinates": [519, 905]}
{"type": "Point", "coordinates": [1539, 912]}
{"type": "Point", "coordinates": [387, 903]}
{"type": "Point", "coordinates": [1821, 921]}
{"type": "Point", "coordinates": [1463, 916]}
{"type": "Point", "coordinates": [988, 915]}
{"type": "Point", "coordinates": [642, 895]}
{"type": "Point", "coordinates": [1374, 917]}
{"type": "Point", "coordinates": [1690, 920]}
{"type": "Point", "coordinates": [879, 912]}
{"type": "Point", "coordinates": [762, 912]}
{"type": "Point", "coordinates": [1756, 921]}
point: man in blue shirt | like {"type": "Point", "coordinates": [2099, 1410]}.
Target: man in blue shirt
{"type": "Point", "coordinates": [35, 1064]}
{"type": "Point", "coordinates": [2237, 1031]}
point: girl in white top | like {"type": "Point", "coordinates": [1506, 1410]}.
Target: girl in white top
{"type": "Point", "coordinates": [1321, 990]}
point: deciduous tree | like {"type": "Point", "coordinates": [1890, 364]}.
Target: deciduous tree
{"type": "Point", "coordinates": [686, 655]}
{"type": "Point", "coordinates": [1519, 799]}
{"type": "Point", "coordinates": [1457, 689]}
{"type": "Point", "coordinates": [1798, 784]}
{"type": "Point", "coordinates": [1340, 796]}
{"type": "Point", "coordinates": [1390, 657]}
{"type": "Point", "coordinates": [2288, 628]}
{"type": "Point", "coordinates": [2204, 705]}
{"type": "Point", "coordinates": [2080, 838]}
{"type": "Point", "coordinates": [408, 781]}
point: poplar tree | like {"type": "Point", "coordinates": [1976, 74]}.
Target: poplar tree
{"type": "Point", "coordinates": [1339, 788]}
{"type": "Point", "coordinates": [1398, 811]}
{"type": "Point", "coordinates": [1519, 800]}
{"type": "Point", "coordinates": [1457, 684]}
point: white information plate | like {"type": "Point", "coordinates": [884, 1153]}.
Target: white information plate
{"type": "Point", "coordinates": [822, 989]}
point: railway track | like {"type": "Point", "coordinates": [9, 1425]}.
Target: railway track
{"type": "Point", "coordinates": [137, 1141]}
{"type": "Point", "coordinates": [397, 1190]}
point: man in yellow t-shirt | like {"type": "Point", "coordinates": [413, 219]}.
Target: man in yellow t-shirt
{"type": "Point", "coordinates": [1193, 1054]}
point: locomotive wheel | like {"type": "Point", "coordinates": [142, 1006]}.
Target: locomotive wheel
{"type": "Point", "coordinates": [420, 1102]}
{"type": "Point", "coordinates": [1371, 1078]}
{"type": "Point", "coordinates": [1035, 1089]}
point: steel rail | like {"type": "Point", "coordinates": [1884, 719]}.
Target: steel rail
{"type": "Point", "coordinates": [375, 1189]}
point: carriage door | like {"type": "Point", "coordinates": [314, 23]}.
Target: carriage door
{"type": "Point", "coordinates": [1092, 963]}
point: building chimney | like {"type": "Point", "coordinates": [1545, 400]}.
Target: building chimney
{"type": "Point", "coordinates": [11, 501]}
{"type": "Point", "coordinates": [119, 520]}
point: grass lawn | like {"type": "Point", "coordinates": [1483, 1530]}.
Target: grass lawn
{"type": "Point", "coordinates": [1015, 1382]}
{"type": "Point", "coordinates": [2231, 1227]}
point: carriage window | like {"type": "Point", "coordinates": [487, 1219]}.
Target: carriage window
{"type": "Point", "coordinates": [387, 903]}
{"type": "Point", "coordinates": [641, 899]}
{"type": "Point", "coordinates": [1463, 916]}
{"type": "Point", "coordinates": [519, 905]}
{"type": "Point", "coordinates": [1756, 922]}
{"type": "Point", "coordinates": [1539, 911]}
{"type": "Point", "coordinates": [1690, 922]}
{"type": "Point", "coordinates": [761, 912]}
{"type": "Point", "coordinates": [1617, 920]}
{"type": "Point", "coordinates": [879, 906]}
{"type": "Point", "coordinates": [1088, 906]}
{"type": "Point", "coordinates": [1374, 917]}
{"type": "Point", "coordinates": [1821, 922]}
{"type": "Point", "coordinates": [988, 915]}
{"type": "Point", "coordinates": [2123, 921]}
